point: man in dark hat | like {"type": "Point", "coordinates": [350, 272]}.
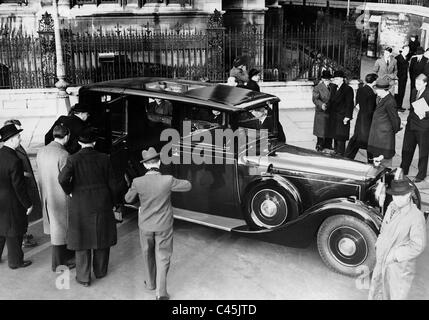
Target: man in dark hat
{"type": "Point", "coordinates": [340, 109]}
{"type": "Point", "coordinates": [417, 66]}
{"type": "Point", "coordinates": [321, 95]}
{"type": "Point", "coordinates": [32, 189]}
{"type": "Point", "coordinates": [254, 77]}
{"type": "Point", "coordinates": [75, 122]}
{"type": "Point", "coordinates": [385, 124]}
{"type": "Point", "coordinates": [155, 220]}
{"type": "Point", "coordinates": [403, 64]}
{"type": "Point", "coordinates": [239, 71]}
{"type": "Point", "coordinates": [15, 202]}
{"type": "Point", "coordinates": [414, 44]}
{"type": "Point", "coordinates": [417, 131]}
{"type": "Point", "coordinates": [402, 239]}
{"type": "Point", "coordinates": [366, 102]}
{"type": "Point", "coordinates": [89, 179]}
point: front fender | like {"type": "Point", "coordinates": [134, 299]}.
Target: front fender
{"type": "Point", "coordinates": [302, 231]}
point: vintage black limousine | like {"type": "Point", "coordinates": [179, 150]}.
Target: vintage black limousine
{"type": "Point", "coordinates": [282, 193]}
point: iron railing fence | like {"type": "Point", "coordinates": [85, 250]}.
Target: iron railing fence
{"type": "Point", "coordinates": [295, 52]}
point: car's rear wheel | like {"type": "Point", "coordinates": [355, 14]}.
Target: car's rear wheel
{"type": "Point", "coordinates": [269, 205]}
{"type": "Point", "coordinates": [347, 245]}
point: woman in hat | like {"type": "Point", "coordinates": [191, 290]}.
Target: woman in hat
{"type": "Point", "coordinates": [385, 124]}
{"type": "Point", "coordinates": [254, 77]}
{"type": "Point", "coordinates": [321, 95]}
{"type": "Point", "coordinates": [239, 71]}
{"type": "Point", "coordinates": [402, 239]}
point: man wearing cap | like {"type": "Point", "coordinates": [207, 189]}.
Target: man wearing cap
{"type": "Point", "coordinates": [50, 160]}
{"type": "Point", "coordinates": [366, 102]}
{"type": "Point", "coordinates": [75, 122]}
{"type": "Point", "coordinates": [89, 179]}
{"type": "Point", "coordinates": [155, 220]}
{"type": "Point", "coordinates": [417, 131]}
{"type": "Point", "coordinates": [386, 67]}
{"type": "Point", "coordinates": [402, 239]}
{"type": "Point", "coordinates": [417, 66]}
{"type": "Point", "coordinates": [340, 110]}
{"type": "Point", "coordinates": [254, 77]}
{"type": "Point", "coordinates": [15, 202]}
{"type": "Point", "coordinates": [321, 95]}
{"type": "Point", "coordinates": [385, 124]}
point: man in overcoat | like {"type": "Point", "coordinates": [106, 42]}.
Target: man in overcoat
{"type": "Point", "coordinates": [417, 132]}
{"type": "Point", "coordinates": [402, 239]}
{"type": "Point", "coordinates": [88, 178]}
{"type": "Point", "coordinates": [155, 220]}
{"type": "Point", "coordinates": [50, 160]}
{"type": "Point", "coordinates": [366, 101]}
{"type": "Point", "coordinates": [340, 110]}
{"type": "Point", "coordinates": [385, 124]}
{"type": "Point", "coordinates": [403, 64]}
{"type": "Point", "coordinates": [75, 122]}
{"type": "Point", "coordinates": [32, 189]}
{"type": "Point", "coordinates": [386, 67]}
{"type": "Point", "coordinates": [15, 202]}
{"type": "Point", "coordinates": [417, 66]}
{"type": "Point", "coordinates": [321, 96]}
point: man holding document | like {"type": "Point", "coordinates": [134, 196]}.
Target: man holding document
{"type": "Point", "coordinates": [417, 129]}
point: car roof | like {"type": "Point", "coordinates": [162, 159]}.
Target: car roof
{"type": "Point", "coordinates": [219, 96]}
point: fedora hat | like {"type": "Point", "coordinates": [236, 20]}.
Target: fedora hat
{"type": "Point", "coordinates": [149, 154]}
{"type": "Point", "coordinates": [87, 135]}
{"type": "Point", "coordinates": [80, 107]}
{"type": "Point", "coordinates": [253, 72]}
{"type": "Point", "coordinates": [382, 83]}
{"type": "Point", "coordinates": [339, 74]}
{"type": "Point", "coordinates": [326, 74]}
{"type": "Point", "coordinates": [400, 187]}
{"type": "Point", "coordinates": [8, 131]}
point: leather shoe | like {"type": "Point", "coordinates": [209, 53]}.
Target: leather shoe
{"type": "Point", "coordinates": [402, 109]}
{"type": "Point", "coordinates": [85, 284]}
{"type": "Point", "coordinates": [417, 180]}
{"type": "Point", "coordinates": [163, 297]}
{"type": "Point", "coordinates": [24, 264]}
{"type": "Point", "coordinates": [71, 265]}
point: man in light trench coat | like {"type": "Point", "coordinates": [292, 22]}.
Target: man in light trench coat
{"type": "Point", "coordinates": [50, 160]}
{"type": "Point", "coordinates": [402, 239]}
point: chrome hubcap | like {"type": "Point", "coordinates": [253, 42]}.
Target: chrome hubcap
{"type": "Point", "coordinates": [347, 247]}
{"type": "Point", "coordinates": [268, 208]}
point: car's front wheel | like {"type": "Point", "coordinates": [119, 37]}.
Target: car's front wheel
{"type": "Point", "coordinates": [269, 205]}
{"type": "Point", "coordinates": [347, 245]}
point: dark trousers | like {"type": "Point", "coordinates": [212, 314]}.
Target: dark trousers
{"type": "Point", "coordinates": [353, 147]}
{"type": "Point", "coordinates": [157, 248]}
{"type": "Point", "coordinates": [15, 255]}
{"type": "Point", "coordinates": [339, 146]}
{"type": "Point", "coordinates": [402, 83]}
{"type": "Point", "coordinates": [413, 138]}
{"type": "Point", "coordinates": [323, 143]}
{"type": "Point", "coordinates": [61, 256]}
{"type": "Point", "coordinates": [100, 262]}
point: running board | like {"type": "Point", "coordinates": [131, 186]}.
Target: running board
{"type": "Point", "coordinates": [209, 220]}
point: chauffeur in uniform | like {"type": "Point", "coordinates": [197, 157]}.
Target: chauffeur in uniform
{"type": "Point", "coordinates": [15, 202]}
{"type": "Point", "coordinates": [75, 122]}
{"type": "Point", "coordinates": [88, 177]}
{"type": "Point", "coordinates": [155, 220]}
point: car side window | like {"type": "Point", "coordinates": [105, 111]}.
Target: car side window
{"type": "Point", "coordinates": [160, 111]}
{"type": "Point", "coordinates": [204, 118]}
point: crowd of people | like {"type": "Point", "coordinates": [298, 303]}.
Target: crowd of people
{"type": "Point", "coordinates": [71, 174]}
{"type": "Point", "coordinates": [403, 233]}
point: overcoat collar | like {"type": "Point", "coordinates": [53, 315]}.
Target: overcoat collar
{"type": "Point", "coordinates": [57, 145]}
{"type": "Point", "coordinates": [9, 150]}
